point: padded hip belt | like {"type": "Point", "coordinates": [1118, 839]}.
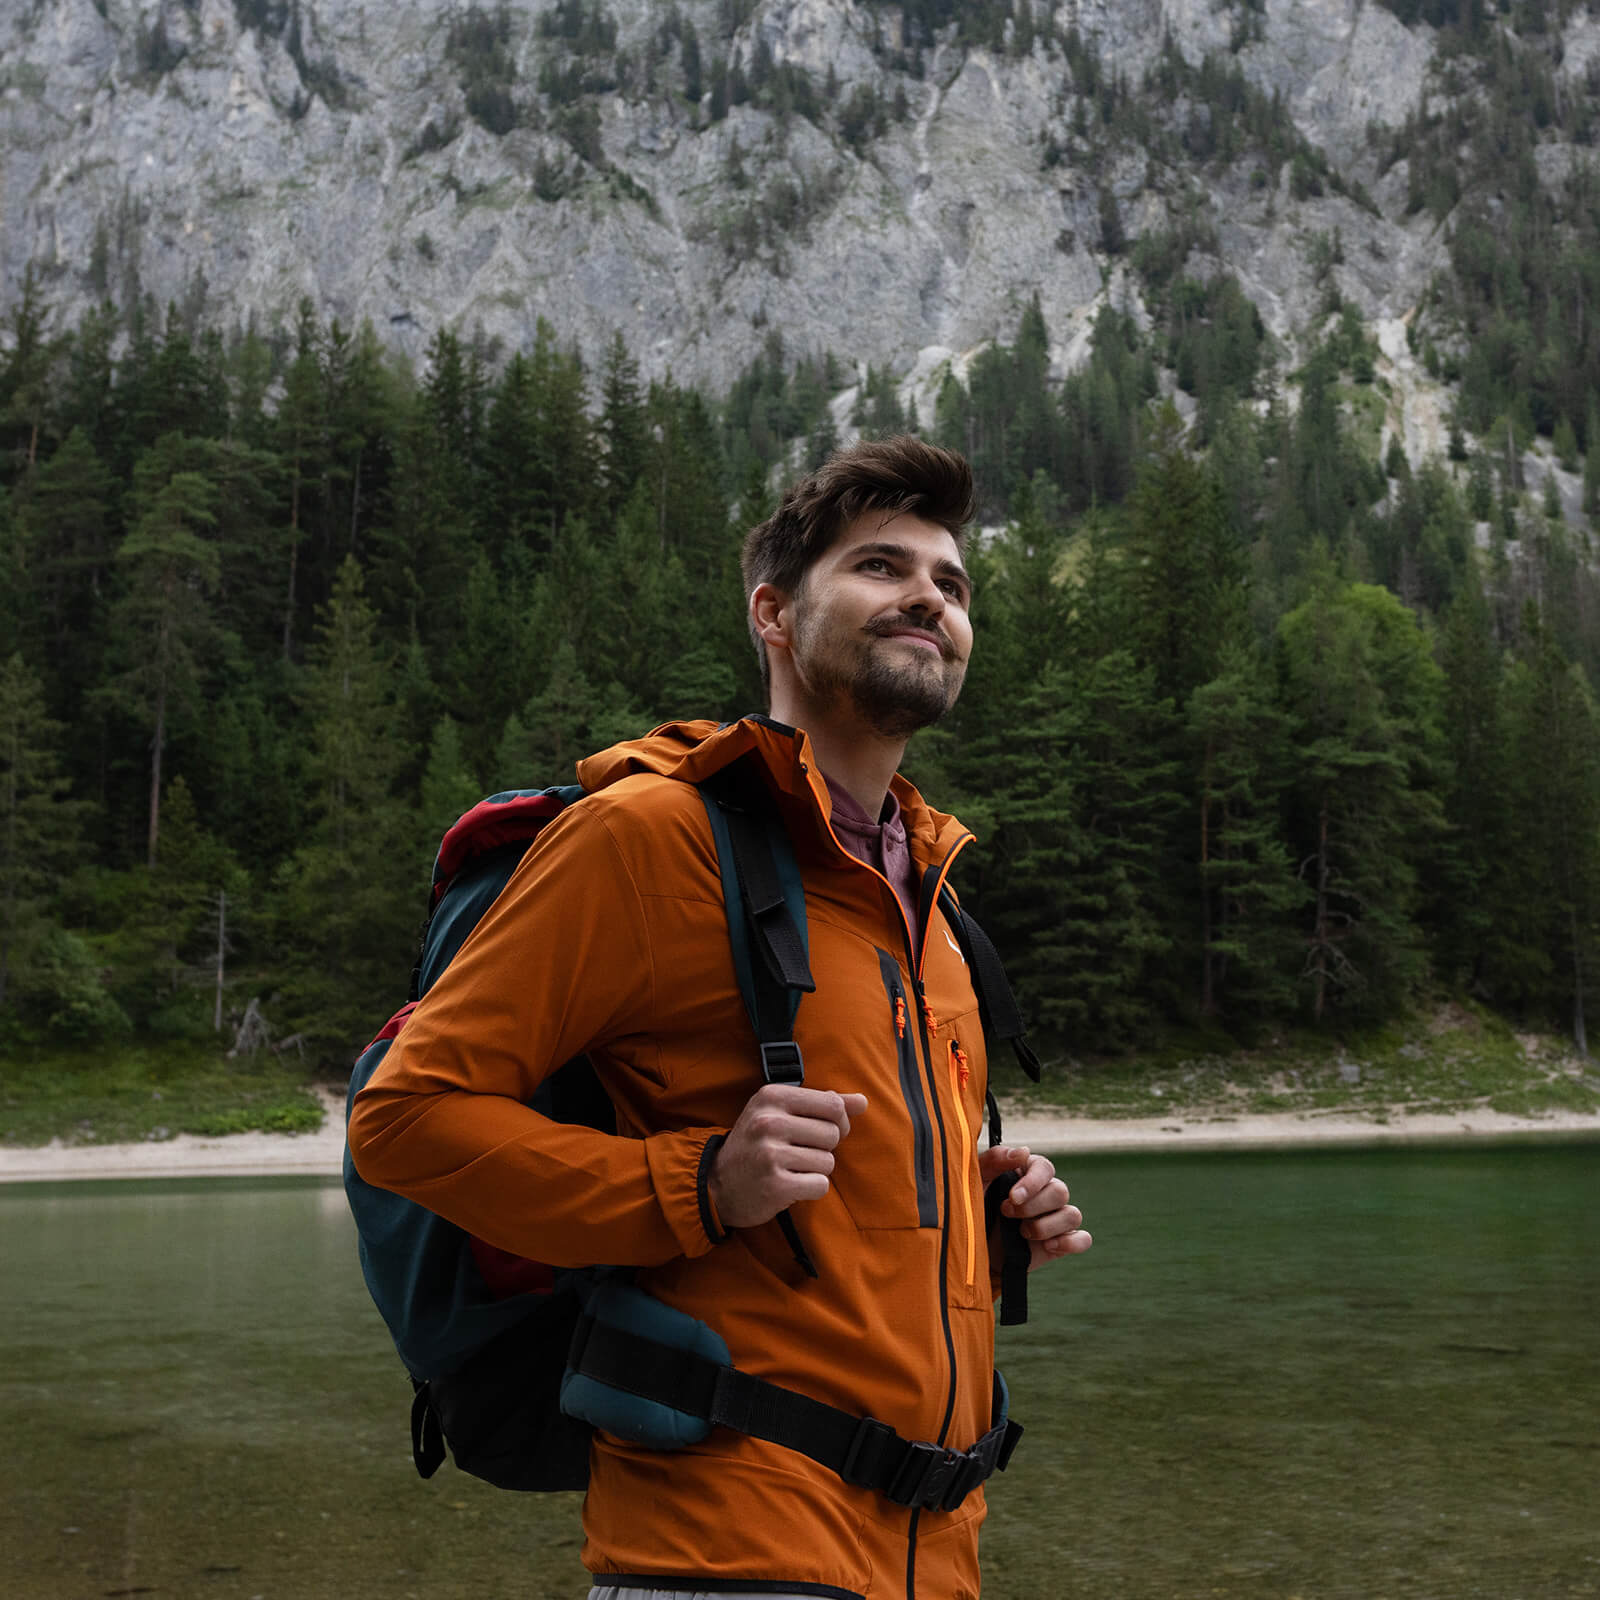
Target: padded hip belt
{"type": "Point", "coordinates": [664, 1379]}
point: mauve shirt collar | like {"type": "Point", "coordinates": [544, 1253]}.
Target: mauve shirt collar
{"type": "Point", "coordinates": [880, 844]}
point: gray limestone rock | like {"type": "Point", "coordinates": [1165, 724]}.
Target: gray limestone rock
{"type": "Point", "coordinates": [219, 151]}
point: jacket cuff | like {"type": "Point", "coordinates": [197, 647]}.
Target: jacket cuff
{"type": "Point", "coordinates": [709, 1220]}
{"type": "Point", "coordinates": [680, 1165]}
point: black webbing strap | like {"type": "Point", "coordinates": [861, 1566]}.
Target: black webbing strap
{"type": "Point", "coordinates": [427, 1437]}
{"type": "Point", "coordinates": [863, 1451]}
{"type": "Point", "coordinates": [777, 940]}
{"type": "Point", "coordinates": [1015, 1253]}
{"type": "Point", "coordinates": [1002, 1016]}
{"type": "Point", "coordinates": [779, 969]}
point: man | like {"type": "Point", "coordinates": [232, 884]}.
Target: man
{"type": "Point", "coordinates": [858, 604]}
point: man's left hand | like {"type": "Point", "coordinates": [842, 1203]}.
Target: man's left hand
{"type": "Point", "coordinates": [1052, 1226]}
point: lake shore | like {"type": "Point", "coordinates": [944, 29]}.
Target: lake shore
{"type": "Point", "coordinates": [320, 1154]}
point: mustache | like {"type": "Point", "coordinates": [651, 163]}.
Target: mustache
{"type": "Point", "coordinates": [883, 627]}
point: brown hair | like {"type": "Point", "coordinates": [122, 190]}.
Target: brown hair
{"type": "Point", "coordinates": [897, 475]}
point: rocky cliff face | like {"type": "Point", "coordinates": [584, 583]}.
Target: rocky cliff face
{"type": "Point", "coordinates": [245, 153]}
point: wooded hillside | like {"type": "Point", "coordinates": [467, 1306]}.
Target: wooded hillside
{"type": "Point", "coordinates": [1258, 727]}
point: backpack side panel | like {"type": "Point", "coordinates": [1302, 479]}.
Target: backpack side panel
{"type": "Point", "coordinates": [441, 1298]}
{"type": "Point", "coordinates": [462, 907]}
{"type": "Point", "coordinates": [420, 1269]}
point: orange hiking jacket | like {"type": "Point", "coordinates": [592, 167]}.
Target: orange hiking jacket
{"type": "Point", "coordinates": [612, 938]}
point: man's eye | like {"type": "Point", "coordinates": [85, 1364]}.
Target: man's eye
{"type": "Point", "coordinates": [953, 589]}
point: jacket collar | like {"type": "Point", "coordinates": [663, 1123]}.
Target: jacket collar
{"type": "Point", "coordinates": [691, 751]}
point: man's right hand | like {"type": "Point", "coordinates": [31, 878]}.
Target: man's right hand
{"type": "Point", "coordinates": [779, 1151]}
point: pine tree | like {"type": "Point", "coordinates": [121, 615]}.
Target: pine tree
{"type": "Point", "coordinates": [1247, 883]}
{"type": "Point", "coordinates": [300, 436]}
{"type": "Point", "coordinates": [164, 623]}
{"type": "Point", "coordinates": [1555, 742]}
{"type": "Point", "coordinates": [25, 377]}
{"type": "Point", "coordinates": [1363, 692]}
{"type": "Point", "coordinates": [353, 755]}
{"type": "Point", "coordinates": [1185, 569]}
{"type": "Point", "coordinates": [448, 789]}
{"type": "Point", "coordinates": [345, 899]}
{"type": "Point", "coordinates": [623, 426]}
{"type": "Point", "coordinates": [1077, 885]}
{"type": "Point", "coordinates": [65, 516]}
{"type": "Point", "coordinates": [38, 825]}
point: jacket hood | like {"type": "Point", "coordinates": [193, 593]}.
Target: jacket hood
{"type": "Point", "coordinates": [691, 751]}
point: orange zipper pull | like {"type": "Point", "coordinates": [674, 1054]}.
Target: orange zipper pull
{"type": "Point", "coordinates": [929, 1020]}
{"type": "Point", "coordinates": [900, 1016]}
{"type": "Point", "coordinates": [959, 1056]}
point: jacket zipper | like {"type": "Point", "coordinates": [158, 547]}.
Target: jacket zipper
{"type": "Point", "coordinates": [944, 1275]}
{"type": "Point", "coordinates": [915, 958]}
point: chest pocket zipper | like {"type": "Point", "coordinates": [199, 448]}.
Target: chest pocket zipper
{"type": "Point", "coordinates": [911, 1091]}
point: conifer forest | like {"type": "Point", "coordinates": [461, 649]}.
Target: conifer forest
{"type": "Point", "coordinates": [1260, 729]}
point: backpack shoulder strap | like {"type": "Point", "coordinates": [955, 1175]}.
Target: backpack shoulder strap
{"type": "Point", "coordinates": [766, 906]}
{"type": "Point", "coordinates": [1002, 1019]}
{"type": "Point", "coordinates": [1002, 1016]}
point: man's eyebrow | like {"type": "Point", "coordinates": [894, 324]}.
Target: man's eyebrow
{"type": "Point", "coordinates": [944, 568]}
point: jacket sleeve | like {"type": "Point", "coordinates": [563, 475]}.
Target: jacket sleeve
{"type": "Point", "coordinates": [560, 963]}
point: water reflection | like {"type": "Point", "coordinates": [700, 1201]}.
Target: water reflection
{"type": "Point", "coordinates": [1326, 1375]}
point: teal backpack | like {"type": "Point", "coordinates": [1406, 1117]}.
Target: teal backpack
{"type": "Point", "coordinates": [513, 1363]}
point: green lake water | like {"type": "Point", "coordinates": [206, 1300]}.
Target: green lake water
{"type": "Point", "coordinates": [1333, 1374]}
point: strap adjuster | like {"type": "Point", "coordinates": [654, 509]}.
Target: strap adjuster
{"type": "Point", "coordinates": [870, 1439]}
{"type": "Point", "coordinates": [781, 1062]}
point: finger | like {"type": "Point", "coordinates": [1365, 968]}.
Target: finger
{"type": "Point", "coordinates": [774, 1127]}
{"type": "Point", "coordinates": [798, 1158]}
{"type": "Point", "coordinates": [1052, 1197]}
{"type": "Point", "coordinates": [801, 1186]}
{"type": "Point", "coordinates": [1000, 1159]}
{"type": "Point", "coordinates": [1036, 1178]}
{"type": "Point", "coordinates": [824, 1105]}
{"type": "Point", "coordinates": [1067, 1220]}
{"type": "Point", "coordinates": [1065, 1244]}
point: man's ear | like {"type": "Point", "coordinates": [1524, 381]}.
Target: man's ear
{"type": "Point", "coordinates": [770, 615]}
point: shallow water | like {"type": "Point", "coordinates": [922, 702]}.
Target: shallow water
{"type": "Point", "coordinates": [1330, 1374]}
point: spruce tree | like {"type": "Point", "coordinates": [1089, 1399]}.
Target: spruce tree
{"type": "Point", "coordinates": [1472, 896]}
{"type": "Point", "coordinates": [1555, 741]}
{"type": "Point", "coordinates": [162, 621]}
{"type": "Point", "coordinates": [624, 427]}
{"type": "Point", "coordinates": [1184, 568]}
{"type": "Point", "coordinates": [300, 436]}
{"type": "Point", "coordinates": [38, 825]}
{"type": "Point", "coordinates": [345, 902]}
{"type": "Point", "coordinates": [1363, 693]}
{"type": "Point", "coordinates": [1248, 890]}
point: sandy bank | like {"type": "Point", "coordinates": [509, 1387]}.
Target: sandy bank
{"type": "Point", "coordinates": [320, 1154]}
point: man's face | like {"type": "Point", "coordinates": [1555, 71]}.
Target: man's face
{"type": "Point", "coordinates": [881, 626]}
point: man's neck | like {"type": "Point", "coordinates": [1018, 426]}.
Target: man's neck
{"type": "Point", "coordinates": [859, 761]}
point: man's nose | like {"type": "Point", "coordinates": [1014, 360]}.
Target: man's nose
{"type": "Point", "coordinates": [924, 595]}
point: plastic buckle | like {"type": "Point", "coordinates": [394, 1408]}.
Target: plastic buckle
{"type": "Point", "coordinates": [868, 1429]}
{"type": "Point", "coordinates": [972, 1470]}
{"type": "Point", "coordinates": [924, 1476]}
{"type": "Point", "coordinates": [781, 1062]}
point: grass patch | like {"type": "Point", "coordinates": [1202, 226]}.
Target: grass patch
{"type": "Point", "coordinates": [1452, 1058]}
{"type": "Point", "coordinates": [130, 1094]}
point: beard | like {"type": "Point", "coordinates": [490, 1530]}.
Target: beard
{"type": "Point", "coordinates": [892, 691]}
